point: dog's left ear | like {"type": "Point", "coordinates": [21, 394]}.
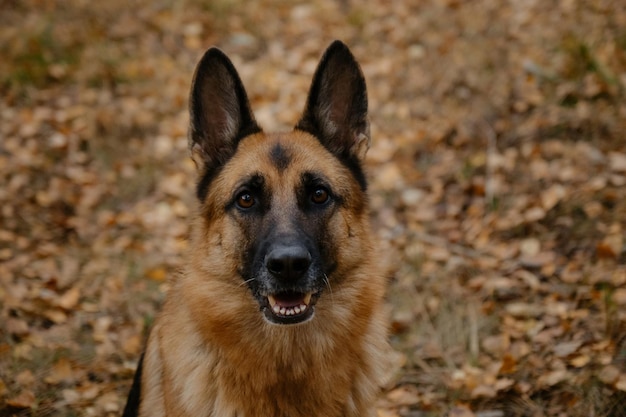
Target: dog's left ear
{"type": "Point", "coordinates": [219, 111]}
{"type": "Point", "coordinates": [336, 109]}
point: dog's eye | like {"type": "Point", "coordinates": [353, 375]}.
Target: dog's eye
{"type": "Point", "coordinates": [245, 200]}
{"type": "Point", "coordinates": [320, 195]}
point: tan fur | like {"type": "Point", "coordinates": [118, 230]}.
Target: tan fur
{"type": "Point", "coordinates": [212, 352]}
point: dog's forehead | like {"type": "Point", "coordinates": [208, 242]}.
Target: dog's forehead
{"type": "Point", "coordinates": [283, 153]}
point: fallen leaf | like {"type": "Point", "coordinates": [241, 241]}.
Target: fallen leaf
{"type": "Point", "coordinates": [509, 364]}
{"type": "Point", "coordinates": [619, 296]}
{"type": "Point", "coordinates": [553, 377]}
{"type": "Point", "coordinates": [69, 299]}
{"type": "Point", "coordinates": [55, 315]}
{"type": "Point", "coordinates": [483, 391]}
{"type": "Point", "coordinates": [566, 348]}
{"type": "Point", "coordinates": [579, 361]}
{"type": "Point", "coordinates": [61, 372]}
{"type": "Point", "coordinates": [25, 378]}
{"type": "Point", "coordinates": [530, 247]}
{"type": "Point", "coordinates": [504, 384]}
{"type": "Point", "coordinates": [605, 250]}
{"type": "Point", "coordinates": [534, 214]}
{"type": "Point", "coordinates": [496, 345]}
{"type": "Point", "coordinates": [617, 161]}
{"type": "Point", "coordinates": [520, 309]}
{"type": "Point", "coordinates": [551, 196]}
{"type": "Point", "coordinates": [109, 402]}
{"type": "Point", "coordinates": [157, 274]}
{"type": "Point", "coordinates": [132, 345]}
{"type": "Point", "coordinates": [25, 399]}
{"type": "Point", "coordinates": [71, 396]}
{"type": "Point", "coordinates": [17, 327]}
{"type": "Point", "coordinates": [404, 395]}
{"type": "Point", "coordinates": [381, 412]}
{"type": "Point", "coordinates": [609, 374]}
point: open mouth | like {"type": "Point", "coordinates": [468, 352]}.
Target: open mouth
{"type": "Point", "coordinates": [290, 307]}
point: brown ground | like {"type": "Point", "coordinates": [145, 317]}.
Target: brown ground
{"type": "Point", "coordinates": [498, 189]}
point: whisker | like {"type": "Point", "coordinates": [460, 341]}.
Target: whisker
{"type": "Point", "coordinates": [245, 282]}
{"type": "Point", "coordinates": [327, 282]}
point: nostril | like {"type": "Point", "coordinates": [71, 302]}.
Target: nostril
{"type": "Point", "coordinates": [275, 265]}
{"type": "Point", "coordinates": [288, 262]}
{"type": "Point", "coordinates": [300, 265]}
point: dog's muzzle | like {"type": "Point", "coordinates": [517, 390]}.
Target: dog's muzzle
{"type": "Point", "coordinates": [292, 301]}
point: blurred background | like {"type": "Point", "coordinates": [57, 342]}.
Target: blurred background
{"type": "Point", "coordinates": [497, 180]}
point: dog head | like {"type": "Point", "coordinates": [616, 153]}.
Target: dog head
{"type": "Point", "coordinates": [283, 214]}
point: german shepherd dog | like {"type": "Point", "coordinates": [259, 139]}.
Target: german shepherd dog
{"type": "Point", "coordinates": [279, 311]}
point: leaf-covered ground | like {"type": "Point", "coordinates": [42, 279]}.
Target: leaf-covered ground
{"type": "Point", "coordinates": [498, 181]}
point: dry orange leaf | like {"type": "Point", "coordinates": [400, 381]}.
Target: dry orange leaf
{"type": "Point", "coordinates": [403, 395]}
{"type": "Point", "coordinates": [579, 361]}
{"type": "Point", "coordinates": [132, 345]}
{"type": "Point", "coordinates": [605, 250]}
{"type": "Point", "coordinates": [55, 315]}
{"type": "Point", "coordinates": [25, 399]}
{"type": "Point", "coordinates": [381, 412]}
{"type": "Point", "coordinates": [157, 274]}
{"type": "Point", "coordinates": [60, 372]}
{"type": "Point", "coordinates": [69, 300]}
{"type": "Point", "coordinates": [509, 364]}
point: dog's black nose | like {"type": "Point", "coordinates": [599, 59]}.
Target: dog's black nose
{"type": "Point", "coordinates": [288, 262]}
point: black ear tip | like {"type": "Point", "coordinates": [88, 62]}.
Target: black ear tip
{"type": "Point", "coordinates": [339, 53]}
{"type": "Point", "coordinates": [213, 54]}
{"type": "Point", "coordinates": [337, 44]}
{"type": "Point", "coordinates": [338, 47]}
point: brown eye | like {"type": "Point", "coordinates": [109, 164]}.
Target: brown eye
{"type": "Point", "coordinates": [245, 200]}
{"type": "Point", "coordinates": [320, 195]}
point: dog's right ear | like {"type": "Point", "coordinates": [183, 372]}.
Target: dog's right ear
{"type": "Point", "coordinates": [219, 111]}
{"type": "Point", "coordinates": [336, 109]}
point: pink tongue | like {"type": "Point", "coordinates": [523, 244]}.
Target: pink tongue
{"type": "Point", "coordinates": [289, 299]}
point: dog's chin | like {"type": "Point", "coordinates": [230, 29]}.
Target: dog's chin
{"type": "Point", "coordinates": [289, 307]}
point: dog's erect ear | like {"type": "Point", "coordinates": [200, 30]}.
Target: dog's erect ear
{"type": "Point", "coordinates": [219, 111]}
{"type": "Point", "coordinates": [336, 109]}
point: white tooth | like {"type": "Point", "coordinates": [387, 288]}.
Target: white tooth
{"type": "Point", "coordinates": [276, 309]}
{"type": "Point", "coordinates": [272, 300]}
{"type": "Point", "coordinates": [282, 311]}
{"type": "Point", "coordinates": [296, 309]}
{"type": "Point", "coordinates": [302, 307]}
{"type": "Point", "coordinates": [307, 298]}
